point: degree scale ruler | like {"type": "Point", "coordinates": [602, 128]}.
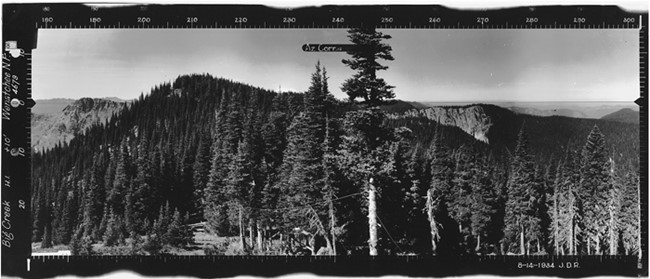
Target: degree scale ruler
{"type": "Point", "coordinates": [21, 23]}
{"type": "Point", "coordinates": [411, 17]}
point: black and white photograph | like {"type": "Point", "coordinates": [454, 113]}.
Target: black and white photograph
{"type": "Point", "coordinates": [432, 141]}
{"type": "Point", "coordinates": [358, 141]}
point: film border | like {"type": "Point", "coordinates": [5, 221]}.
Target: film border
{"type": "Point", "coordinates": [22, 21]}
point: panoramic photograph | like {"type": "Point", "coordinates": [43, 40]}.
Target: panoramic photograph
{"type": "Point", "coordinates": [444, 142]}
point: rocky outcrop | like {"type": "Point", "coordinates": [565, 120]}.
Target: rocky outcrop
{"type": "Point", "coordinates": [74, 119]}
{"type": "Point", "coordinates": [472, 119]}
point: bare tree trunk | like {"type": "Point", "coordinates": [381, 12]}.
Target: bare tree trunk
{"type": "Point", "coordinates": [433, 226]}
{"type": "Point", "coordinates": [572, 244]}
{"type": "Point", "coordinates": [597, 252]}
{"type": "Point", "coordinates": [571, 238]}
{"type": "Point", "coordinates": [555, 225]}
{"type": "Point", "coordinates": [478, 244]}
{"type": "Point", "coordinates": [372, 218]}
{"type": "Point", "coordinates": [588, 245]}
{"type": "Point", "coordinates": [522, 246]}
{"type": "Point", "coordinates": [332, 226]}
{"type": "Point", "coordinates": [612, 242]}
{"type": "Point", "coordinates": [242, 238]}
{"type": "Point", "coordinates": [612, 230]}
{"type": "Point", "coordinates": [251, 233]}
{"type": "Point", "coordinates": [260, 240]}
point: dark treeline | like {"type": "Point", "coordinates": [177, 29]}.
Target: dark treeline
{"type": "Point", "coordinates": [263, 165]}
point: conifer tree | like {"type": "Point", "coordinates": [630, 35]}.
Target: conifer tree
{"type": "Point", "coordinates": [93, 199]}
{"type": "Point", "coordinates": [374, 91]}
{"type": "Point", "coordinates": [215, 209]}
{"type": "Point", "coordinates": [595, 191]}
{"type": "Point", "coordinates": [174, 234]}
{"type": "Point", "coordinates": [161, 226]}
{"type": "Point", "coordinates": [365, 60]}
{"type": "Point", "coordinates": [520, 219]}
{"type": "Point", "coordinates": [112, 235]}
{"type": "Point", "coordinates": [418, 231]}
{"type": "Point", "coordinates": [393, 196]}
{"type": "Point", "coordinates": [47, 236]}
{"type": "Point", "coordinates": [461, 192]}
{"type": "Point", "coordinates": [117, 194]}
{"type": "Point", "coordinates": [569, 215]}
{"type": "Point", "coordinates": [630, 214]}
{"type": "Point", "coordinates": [333, 180]}
{"type": "Point", "coordinates": [554, 212]}
{"type": "Point", "coordinates": [303, 185]}
{"type": "Point", "coordinates": [40, 217]}
{"type": "Point", "coordinates": [145, 194]}
{"type": "Point", "coordinates": [239, 185]}
{"type": "Point", "coordinates": [484, 205]}
{"type": "Point", "coordinates": [68, 214]}
{"type": "Point", "coordinates": [363, 153]}
{"type": "Point", "coordinates": [201, 172]}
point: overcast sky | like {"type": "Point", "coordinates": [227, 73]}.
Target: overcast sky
{"type": "Point", "coordinates": [430, 65]}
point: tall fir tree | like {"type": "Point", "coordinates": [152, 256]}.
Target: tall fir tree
{"type": "Point", "coordinates": [304, 178]}
{"type": "Point", "coordinates": [484, 207]}
{"type": "Point", "coordinates": [595, 186]}
{"type": "Point", "coordinates": [365, 60]}
{"type": "Point", "coordinates": [117, 194]}
{"type": "Point", "coordinates": [374, 91]}
{"type": "Point", "coordinates": [520, 218]}
{"type": "Point", "coordinates": [239, 186]}
{"type": "Point", "coordinates": [630, 214]}
{"type": "Point", "coordinates": [570, 213]}
{"type": "Point", "coordinates": [465, 172]}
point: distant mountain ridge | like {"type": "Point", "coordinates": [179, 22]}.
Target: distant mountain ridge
{"type": "Point", "coordinates": [56, 105]}
{"type": "Point", "coordinates": [594, 110]}
{"type": "Point", "coordinates": [568, 110]}
{"type": "Point", "coordinates": [50, 128]}
{"type": "Point", "coordinates": [625, 115]}
{"type": "Point", "coordinates": [549, 112]}
{"type": "Point", "coordinates": [549, 135]}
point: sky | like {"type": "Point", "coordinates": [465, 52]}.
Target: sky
{"type": "Point", "coordinates": [435, 65]}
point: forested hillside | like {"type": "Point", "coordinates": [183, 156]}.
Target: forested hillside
{"type": "Point", "coordinates": [624, 115]}
{"type": "Point", "coordinates": [305, 173]}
